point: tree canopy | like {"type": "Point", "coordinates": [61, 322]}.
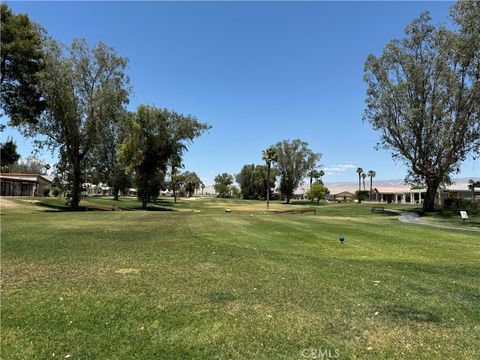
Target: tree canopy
{"type": "Point", "coordinates": [84, 89]}
{"type": "Point", "coordinates": [295, 159]}
{"type": "Point", "coordinates": [424, 96]}
{"type": "Point", "coordinates": [223, 184]}
{"type": "Point", "coordinates": [21, 60]}
{"type": "Point", "coordinates": [8, 153]}
{"type": "Point", "coordinates": [317, 192]}
{"type": "Point", "coordinates": [253, 181]}
{"type": "Point", "coordinates": [153, 140]}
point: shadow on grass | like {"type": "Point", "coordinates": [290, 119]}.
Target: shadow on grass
{"type": "Point", "coordinates": [408, 312]}
{"type": "Point", "coordinates": [55, 207]}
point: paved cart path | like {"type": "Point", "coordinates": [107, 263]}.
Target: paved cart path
{"type": "Point", "coordinates": [412, 217]}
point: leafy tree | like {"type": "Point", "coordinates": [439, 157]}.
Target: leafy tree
{"type": "Point", "coordinates": [424, 96]}
{"type": "Point", "coordinates": [361, 195]}
{"type": "Point", "coordinates": [371, 174]}
{"type": "Point", "coordinates": [30, 165]}
{"type": "Point", "coordinates": [104, 160]}
{"type": "Point", "coordinates": [84, 89]}
{"type": "Point", "coordinates": [359, 172]}
{"type": "Point", "coordinates": [235, 192]}
{"type": "Point", "coordinates": [295, 159]}
{"type": "Point", "coordinates": [21, 59]}
{"type": "Point", "coordinates": [184, 129]}
{"type": "Point", "coordinates": [270, 156]}
{"type": "Point", "coordinates": [191, 183]}
{"type": "Point", "coordinates": [317, 192]}
{"type": "Point", "coordinates": [153, 140]}
{"type": "Point", "coordinates": [253, 181]}
{"type": "Point", "coordinates": [8, 154]}
{"type": "Point", "coordinates": [222, 184]}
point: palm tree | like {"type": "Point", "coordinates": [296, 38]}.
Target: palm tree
{"type": "Point", "coordinates": [269, 156]}
{"type": "Point", "coordinates": [320, 174]}
{"type": "Point", "coordinates": [472, 185]}
{"type": "Point", "coordinates": [371, 174]}
{"type": "Point", "coordinates": [364, 176]}
{"type": "Point", "coordinates": [359, 172]}
{"type": "Point", "coordinates": [313, 174]}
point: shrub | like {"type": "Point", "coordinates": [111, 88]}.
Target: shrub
{"type": "Point", "coordinates": [317, 192]}
{"type": "Point", "coordinates": [55, 191]}
{"type": "Point", "coordinates": [46, 191]}
{"type": "Point", "coordinates": [361, 195]}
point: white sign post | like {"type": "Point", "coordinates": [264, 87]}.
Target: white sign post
{"type": "Point", "coordinates": [464, 215]}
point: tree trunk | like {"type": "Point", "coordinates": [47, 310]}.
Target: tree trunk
{"type": "Point", "coordinates": [268, 186]}
{"type": "Point", "coordinates": [76, 184]}
{"type": "Point", "coordinates": [288, 199]}
{"type": "Point", "coordinates": [174, 185]}
{"type": "Point", "coordinates": [115, 193]}
{"type": "Point", "coordinates": [359, 182]}
{"type": "Point", "coordinates": [371, 183]}
{"type": "Point", "coordinates": [429, 201]}
{"type": "Point", "coordinates": [144, 202]}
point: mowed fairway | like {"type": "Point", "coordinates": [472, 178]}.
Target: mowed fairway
{"type": "Point", "coordinates": [184, 284]}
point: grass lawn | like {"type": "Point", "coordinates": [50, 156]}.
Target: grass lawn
{"type": "Point", "coordinates": [192, 282]}
{"type": "Point", "coordinates": [453, 218]}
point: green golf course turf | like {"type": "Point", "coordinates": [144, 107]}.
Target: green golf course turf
{"type": "Point", "coordinates": [194, 282]}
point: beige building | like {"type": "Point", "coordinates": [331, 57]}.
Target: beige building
{"type": "Point", "coordinates": [23, 184]}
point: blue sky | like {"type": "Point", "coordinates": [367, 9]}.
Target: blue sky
{"type": "Point", "coordinates": [258, 72]}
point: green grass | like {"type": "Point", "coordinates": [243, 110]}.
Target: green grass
{"type": "Point", "coordinates": [196, 283]}
{"type": "Point", "coordinates": [453, 218]}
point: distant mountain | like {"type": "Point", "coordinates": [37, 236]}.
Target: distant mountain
{"type": "Point", "coordinates": [352, 186]}
{"type": "Point", "coordinates": [391, 185]}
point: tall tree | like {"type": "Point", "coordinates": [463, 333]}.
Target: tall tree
{"type": "Point", "coordinates": [313, 174]}
{"type": "Point", "coordinates": [184, 129]}
{"type": "Point", "coordinates": [364, 176]}
{"type": "Point", "coordinates": [270, 156]}
{"type": "Point", "coordinates": [21, 60]}
{"type": "Point", "coordinates": [253, 181]}
{"type": "Point", "coordinates": [83, 89]}
{"type": "Point", "coordinates": [30, 165]}
{"type": "Point", "coordinates": [191, 182]}
{"type": "Point", "coordinates": [321, 174]}
{"type": "Point", "coordinates": [371, 174]}
{"type": "Point", "coordinates": [8, 154]}
{"type": "Point", "coordinates": [295, 159]}
{"type": "Point", "coordinates": [472, 184]}
{"type": "Point", "coordinates": [424, 96]}
{"type": "Point", "coordinates": [104, 160]}
{"type": "Point", "coordinates": [153, 140]}
{"type": "Point", "coordinates": [222, 184]}
{"type": "Point", "coordinates": [359, 172]}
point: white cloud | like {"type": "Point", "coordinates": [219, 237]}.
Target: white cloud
{"type": "Point", "coordinates": [339, 167]}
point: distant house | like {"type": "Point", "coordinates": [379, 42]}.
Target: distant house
{"type": "Point", "coordinates": [12, 184]}
{"type": "Point", "coordinates": [344, 196]}
{"type": "Point", "coordinates": [406, 195]}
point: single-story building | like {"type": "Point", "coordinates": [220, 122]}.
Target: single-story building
{"type": "Point", "coordinates": [343, 196]}
{"type": "Point", "coordinates": [13, 184]}
{"type": "Point", "coordinates": [406, 195]}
